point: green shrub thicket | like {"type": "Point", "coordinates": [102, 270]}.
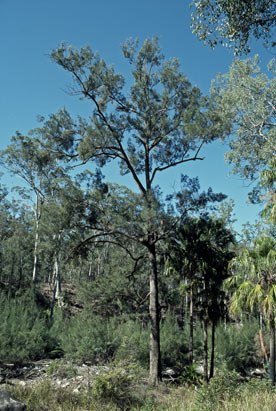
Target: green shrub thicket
{"type": "Point", "coordinates": [174, 341]}
{"type": "Point", "coordinates": [219, 390]}
{"type": "Point", "coordinates": [28, 334]}
{"type": "Point", "coordinates": [237, 346]}
{"type": "Point", "coordinates": [24, 328]}
{"type": "Point", "coordinates": [134, 342]}
{"type": "Point", "coordinates": [88, 337]}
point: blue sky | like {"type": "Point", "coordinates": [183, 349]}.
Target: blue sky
{"type": "Point", "coordinates": [31, 84]}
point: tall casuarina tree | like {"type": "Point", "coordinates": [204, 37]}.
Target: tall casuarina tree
{"type": "Point", "coordinates": [157, 123]}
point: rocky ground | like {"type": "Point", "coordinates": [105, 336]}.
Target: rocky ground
{"type": "Point", "coordinates": [68, 374]}
{"type": "Point", "coordinates": [61, 373]}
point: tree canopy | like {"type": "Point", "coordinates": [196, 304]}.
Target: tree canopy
{"type": "Point", "coordinates": [233, 23]}
{"type": "Point", "coordinates": [157, 122]}
{"type": "Point", "coordinates": [247, 101]}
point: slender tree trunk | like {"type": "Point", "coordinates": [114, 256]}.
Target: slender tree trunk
{"type": "Point", "coordinates": [56, 269]}
{"type": "Point", "coordinates": [272, 345]}
{"type": "Point", "coordinates": [263, 349]}
{"type": "Point", "coordinates": [57, 278]}
{"type": "Point", "coordinates": [57, 286]}
{"type": "Point", "coordinates": [191, 322]}
{"type": "Point", "coordinates": [182, 314]}
{"type": "Point", "coordinates": [264, 353]}
{"type": "Point", "coordinates": [53, 303]}
{"type": "Point", "coordinates": [37, 218]}
{"type": "Point", "coordinates": [99, 265]}
{"type": "Point", "coordinates": [205, 349]}
{"type": "Point", "coordinates": [212, 361]}
{"type": "Point", "coordinates": [90, 273]}
{"type": "Point", "coordinates": [155, 355]}
{"type": "Point", "coordinates": [35, 263]}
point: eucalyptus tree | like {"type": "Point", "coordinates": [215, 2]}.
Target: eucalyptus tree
{"type": "Point", "coordinates": [15, 239]}
{"type": "Point", "coordinates": [247, 101]}
{"type": "Point", "coordinates": [157, 123]}
{"type": "Point", "coordinates": [37, 167]}
{"type": "Point", "coordinates": [64, 214]}
{"type": "Point", "coordinates": [4, 213]}
{"type": "Point", "coordinates": [254, 285]}
{"type": "Point", "coordinates": [233, 23]}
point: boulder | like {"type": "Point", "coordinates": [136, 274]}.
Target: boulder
{"type": "Point", "coordinates": [8, 403]}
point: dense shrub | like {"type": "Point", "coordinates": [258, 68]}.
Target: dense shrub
{"type": "Point", "coordinates": [134, 342]}
{"type": "Point", "coordinates": [24, 328]}
{"type": "Point", "coordinates": [236, 346]}
{"type": "Point", "coordinates": [174, 343]}
{"type": "Point", "coordinates": [220, 389]}
{"type": "Point", "coordinates": [118, 386]}
{"type": "Point", "coordinates": [89, 338]}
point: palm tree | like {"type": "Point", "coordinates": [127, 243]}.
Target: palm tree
{"type": "Point", "coordinates": [254, 280]}
{"type": "Point", "coordinates": [200, 253]}
{"type": "Point", "coordinates": [215, 254]}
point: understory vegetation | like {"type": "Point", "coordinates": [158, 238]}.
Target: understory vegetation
{"type": "Point", "coordinates": [125, 389]}
{"type": "Point", "coordinates": [28, 333]}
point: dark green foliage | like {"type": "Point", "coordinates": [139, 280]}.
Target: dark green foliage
{"type": "Point", "coordinates": [221, 388]}
{"type": "Point", "coordinates": [117, 386]}
{"type": "Point", "coordinates": [16, 253]}
{"type": "Point", "coordinates": [23, 328]}
{"type": "Point", "coordinates": [112, 292]}
{"type": "Point", "coordinates": [191, 376]}
{"type": "Point", "coordinates": [237, 345]}
{"type": "Point", "coordinates": [174, 345]}
{"type": "Point", "coordinates": [133, 337]}
{"type": "Point", "coordinates": [89, 338]}
{"type": "Point", "coordinates": [134, 342]}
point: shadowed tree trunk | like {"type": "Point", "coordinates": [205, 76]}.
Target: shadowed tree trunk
{"type": "Point", "coordinates": [191, 314]}
{"type": "Point", "coordinates": [205, 349]}
{"type": "Point", "coordinates": [272, 345]}
{"type": "Point", "coordinates": [37, 220]}
{"type": "Point", "coordinates": [212, 361]}
{"type": "Point", "coordinates": [155, 356]}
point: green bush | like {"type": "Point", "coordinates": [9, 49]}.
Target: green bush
{"type": "Point", "coordinates": [89, 338]}
{"type": "Point", "coordinates": [173, 342]}
{"type": "Point", "coordinates": [60, 368]}
{"type": "Point", "coordinates": [190, 376]}
{"type": "Point", "coordinates": [134, 342]}
{"type": "Point", "coordinates": [225, 385]}
{"type": "Point", "coordinates": [118, 386]}
{"type": "Point", "coordinates": [24, 329]}
{"type": "Point", "coordinates": [236, 346]}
